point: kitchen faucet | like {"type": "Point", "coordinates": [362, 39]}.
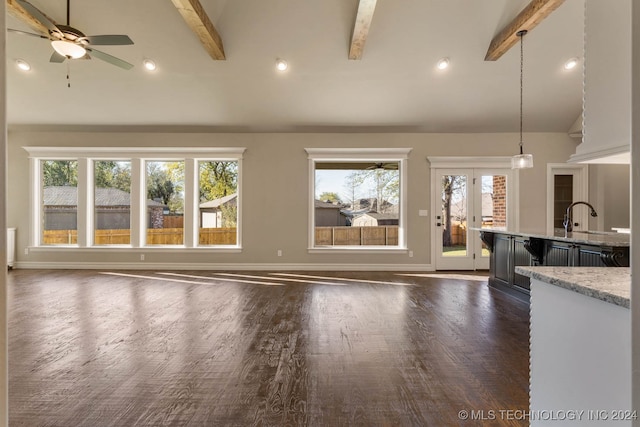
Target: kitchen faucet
{"type": "Point", "coordinates": [568, 217]}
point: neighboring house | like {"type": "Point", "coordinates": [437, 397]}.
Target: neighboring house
{"type": "Point", "coordinates": [372, 219]}
{"type": "Point", "coordinates": [371, 205]}
{"type": "Point", "coordinates": [212, 212]}
{"type": "Point", "coordinates": [112, 209]}
{"type": "Point", "coordinates": [329, 215]}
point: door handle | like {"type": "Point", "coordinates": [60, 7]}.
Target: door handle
{"type": "Point", "coordinates": [438, 224]}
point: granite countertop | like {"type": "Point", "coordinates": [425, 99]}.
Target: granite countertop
{"type": "Point", "coordinates": [600, 238]}
{"type": "Point", "coordinates": [612, 285]}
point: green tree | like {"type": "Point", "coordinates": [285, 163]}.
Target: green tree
{"type": "Point", "coordinates": [113, 174]}
{"type": "Point", "coordinates": [60, 173]}
{"type": "Point", "coordinates": [330, 196]}
{"type": "Point", "coordinates": [159, 184]}
{"type": "Point", "coordinates": [218, 179]}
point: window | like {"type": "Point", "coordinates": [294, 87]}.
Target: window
{"type": "Point", "coordinates": [358, 198]}
{"type": "Point", "coordinates": [218, 206]}
{"type": "Point", "coordinates": [59, 206]}
{"type": "Point", "coordinates": [112, 202]}
{"type": "Point", "coordinates": [165, 202]}
{"type": "Point", "coordinates": [136, 197]}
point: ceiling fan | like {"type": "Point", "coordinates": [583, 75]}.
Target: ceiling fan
{"type": "Point", "coordinates": [383, 166]}
{"type": "Point", "coordinates": [68, 42]}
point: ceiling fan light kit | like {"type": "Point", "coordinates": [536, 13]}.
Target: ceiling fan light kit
{"type": "Point", "coordinates": [68, 49]}
{"type": "Point", "coordinates": [521, 161]}
{"type": "Point", "coordinates": [70, 43]}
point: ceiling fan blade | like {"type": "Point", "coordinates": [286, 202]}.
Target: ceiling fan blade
{"type": "Point", "coordinates": [56, 57]}
{"type": "Point", "coordinates": [109, 40]}
{"type": "Point", "coordinates": [11, 30]}
{"type": "Point", "coordinates": [39, 16]}
{"type": "Point", "coordinates": [110, 59]}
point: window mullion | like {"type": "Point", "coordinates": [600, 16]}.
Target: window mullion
{"type": "Point", "coordinates": [138, 203]}
{"type": "Point", "coordinates": [191, 190]}
{"type": "Point", "coordinates": [85, 203]}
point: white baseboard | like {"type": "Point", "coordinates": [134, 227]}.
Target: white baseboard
{"type": "Point", "coordinates": [219, 267]}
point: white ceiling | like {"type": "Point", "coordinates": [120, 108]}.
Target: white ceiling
{"type": "Point", "coordinates": [395, 87]}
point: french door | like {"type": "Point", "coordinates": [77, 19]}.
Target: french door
{"type": "Point", "coordinates": [465, 199]}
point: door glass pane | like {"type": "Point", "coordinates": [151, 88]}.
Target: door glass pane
{"type": "Point", "coordinates": [494, 203]}
{"type": "Point", "coordinates": [454, 214]}
{"type": "Point", "coordinates": [562, 197]}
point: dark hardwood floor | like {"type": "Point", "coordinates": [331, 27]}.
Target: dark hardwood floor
{"type": "Point", "coordinates": [139, 348]}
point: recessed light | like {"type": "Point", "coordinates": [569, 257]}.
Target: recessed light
{"type": "Point", "coordinates": [571, 64]}
{"type": "Point", "coordinates": [281, 65]}
{"type": "Point", "coordinates": [23, 65]}
{"type": "Point", "coordinates": [149, 65]}
{"type": "Point", "coordinates": [443, 64]}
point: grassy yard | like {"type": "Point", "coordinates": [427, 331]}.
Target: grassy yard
{"type": "Point", "coordinates": [453, 251]}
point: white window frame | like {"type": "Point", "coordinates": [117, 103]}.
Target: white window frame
{"type": "Point", "coordinates": [138, 156]}
{"type": "Point", "coordinates": [347, 155]}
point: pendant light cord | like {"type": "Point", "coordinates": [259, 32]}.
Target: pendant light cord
{"type": "Point", "coordinates": [521, 34]}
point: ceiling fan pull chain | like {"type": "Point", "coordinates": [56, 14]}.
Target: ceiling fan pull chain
{"type": "Point", "coordinates": [69, 74]}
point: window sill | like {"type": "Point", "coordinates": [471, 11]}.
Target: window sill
{"type": "Point", "coordinates": [357, 249]}
{"type": "Point", "coordinates": [130, 249]}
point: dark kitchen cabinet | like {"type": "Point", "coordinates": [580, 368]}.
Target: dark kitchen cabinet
{"type": "Point", "coordinates": [507, 251]}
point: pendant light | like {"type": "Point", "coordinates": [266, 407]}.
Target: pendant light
{"type": "Point", "coordinates": [521, 161]}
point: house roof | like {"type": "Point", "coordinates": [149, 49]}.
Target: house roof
{"type": "Point", "coordinates": [325, 205]}
{"type": "Point", "coordinates": [394, 87]}
{"type": "Point", "coordinates": [211, 204]}
{"type": "Point", "coordinates": [68, 196]}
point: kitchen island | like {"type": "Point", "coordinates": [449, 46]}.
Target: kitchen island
{"type": "Point", "coordinates": [510, 249]}
{"type": "Point", "coordinates": [580, 349]}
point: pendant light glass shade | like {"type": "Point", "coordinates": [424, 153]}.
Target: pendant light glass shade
{"type": "Point", "coordinates": [521, 161]}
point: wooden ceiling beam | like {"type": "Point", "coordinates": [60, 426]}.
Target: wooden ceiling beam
{"type": "Point", "coordinates": [527, 19]}
{"type": "Point", "coordinates": [17, 11]}
{"type": "Point", "coordinates": [361, 28]}
{"type": "Point", "coordinates": [197, 19]}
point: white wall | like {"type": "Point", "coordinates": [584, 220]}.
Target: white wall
{"type": "Point", "coordinates": [275, 180]}
{"type": "Point", "coordinates": [4, 349]}
{"type": "Point", "coordinates": [609, 193]}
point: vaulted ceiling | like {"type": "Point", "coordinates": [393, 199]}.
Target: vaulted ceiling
{"type": "Point", "coordinates": [394, 86]}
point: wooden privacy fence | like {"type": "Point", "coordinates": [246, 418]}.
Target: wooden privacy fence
{"type": "Point", "coordinates": [155, 236]}
{"type": "Point", "coordinates": [354, 236]}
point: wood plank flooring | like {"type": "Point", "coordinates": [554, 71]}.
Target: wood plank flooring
{"type": "Point", "coordinates": [200, 348]}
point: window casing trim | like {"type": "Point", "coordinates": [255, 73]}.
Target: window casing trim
{"type": "Point", "coordinates": [317, 155]}
{"type": "Point", "coordinates": [138, 156]}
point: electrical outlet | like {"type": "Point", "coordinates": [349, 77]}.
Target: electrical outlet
{"type": "Point", "coordinates": [279, 252]}
{"type": "Point", "coordinates": [141, 257]}
{"type": "Point", "coordinates": [410, 254]}
{"type": "Point", "coordinates": [26, 251]}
